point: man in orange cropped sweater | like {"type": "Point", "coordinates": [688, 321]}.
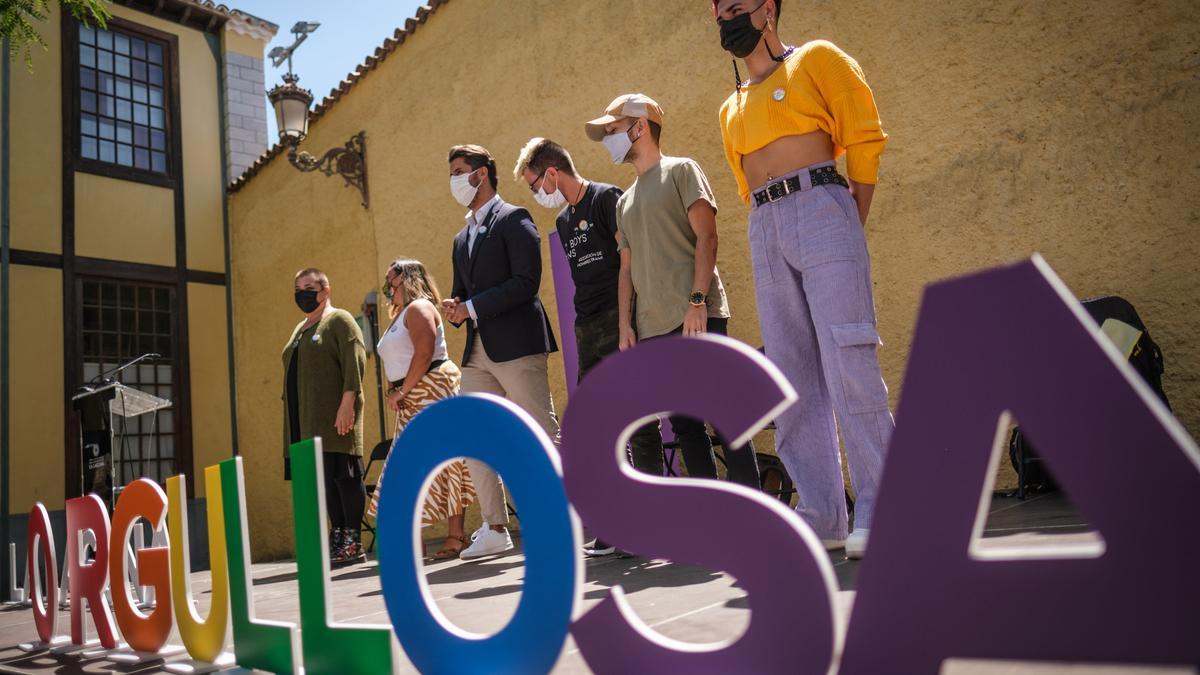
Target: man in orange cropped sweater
{"type": "Point", "coordinates": [798, 110]}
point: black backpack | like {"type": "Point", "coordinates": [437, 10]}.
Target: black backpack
{"type": "Point", "coordinates": [1146, 359]}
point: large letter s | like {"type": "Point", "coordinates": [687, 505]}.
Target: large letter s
{"type": "Point", "coordinates": [775, 556]}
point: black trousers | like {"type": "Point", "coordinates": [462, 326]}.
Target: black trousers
{"type": "Point", "coordinates": [597, 337]}
{"type": "Point", "coordinates": [345, 496]}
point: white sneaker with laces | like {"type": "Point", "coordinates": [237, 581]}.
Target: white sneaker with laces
{"type": "Point", "coordinates": [488, 542]}
{"type": "Point", "coordinates": [856, 543]}
{"type": "Point", "coordinates": [481, 530]}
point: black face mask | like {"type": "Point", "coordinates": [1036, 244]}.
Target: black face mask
{"type": "Point", "coordinates": [307, 301]}
{"type": "Point", "coordinates": [739, 36]}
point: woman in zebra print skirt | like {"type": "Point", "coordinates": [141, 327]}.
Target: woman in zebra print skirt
{"type": "Point", "coordinates": [414, 356]}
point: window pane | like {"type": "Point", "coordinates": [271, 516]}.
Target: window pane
{"type": "Point", "coordinates": [156, 96]}
{"type": "Point", "coordinates": [107, 83]}
{"type": "Point", "coordinates": [141, 137]}
{"type": "Point", "coordinates": [141, 158]}
{"type": "Point", "coordinates": [108, 129]}
{"type": "Point", "coordinates": [137, 47]}
{"type": "Point", "coordinates": [88, 148]}
{"type": "Point", "coordinates": [87, 35]}
{"type": "Point", "coordinates": [156, 75]}
{"type": "Point", "coordinates": [140, 94]}
{"type": "Point", "coordinates": [87, 78]}
{"type": "Point", "coordinates": [158, 140]}
{"type": "Point", "coordinates": [140, 114]}
{"type": "Point", "coordinates": [138, 71]}
{"type": "Point", "coordinates": [123, 89]}
{"type": "Point", "coordinates": [108, 151]}
{"type": "Point", "coordinates": [106, 106]}
{"type": "Point", "coordinates": [120, 43]}
{"type": "Point", "coordinates": [124, 155]}
{"type": "Point", "coordinates": [124, 133]}
{"type": "Point", "coordinates": [104, 61]}
{"type": "Point", "coordinates": [87, 101]}
{"type": "Point", "coordinates": [158, 162]}
{"type": "Point", "coordinates": [163, 345]}
{"type": "Point", "coordinates": [124, 110]}
{"type": "Point", "coordinates": [87, 57]}
{"type": "Point", "coordinates": [122, 66]}
{"type": "Point", "coordinates": [154, 53]}
{"type": "Point", "coordinates": [104, 39]}
{"type": "Point", "coordinates": [87, 125]}
{"type": "Point", "coordinates": [156, 118]}
{"type": "Point", "coordinates": [108, 346]}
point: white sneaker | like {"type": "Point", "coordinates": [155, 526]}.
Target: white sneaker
{"type": "Point", "coordinates": [482, 528]}
{"type": "Point", "coordinates": [488, 542]}
{"type": "Point", "coordinates": [856, 543]}
{"type": "Point", "coordinates": [833, 544]}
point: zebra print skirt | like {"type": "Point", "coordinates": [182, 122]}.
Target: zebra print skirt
{"type": "Point", "coordinates": [452, 490]}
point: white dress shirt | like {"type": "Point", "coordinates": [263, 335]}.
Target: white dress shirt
{"type": "Point", "coordinates": [475, 229]}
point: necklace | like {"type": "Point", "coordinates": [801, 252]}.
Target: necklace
{"type": "Point", "coordinates": [579, 198]}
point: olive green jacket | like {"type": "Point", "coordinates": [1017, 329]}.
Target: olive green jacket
{"type": "Point", "coordinates": [331, 361]}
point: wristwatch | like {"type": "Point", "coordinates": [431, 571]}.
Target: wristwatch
{"type": "Point", "coordinates": [697, 298]}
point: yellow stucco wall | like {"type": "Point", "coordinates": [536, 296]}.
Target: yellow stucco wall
{"type": "Point", "coordinates": [36, 386]}
{"type": "Point", "coordinates": [36, 138]}
{"type": "Point", "coordinates": [212, 436]}
{"type": "Point", "coordinates": [123, 220]}
{"type": "Point", "coordinates": [243, 44]}
{"type": "Point", "coordinates": [1065, 128]}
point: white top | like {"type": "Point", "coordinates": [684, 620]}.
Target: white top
{"type": "Point", "coordinates": [396, 346]}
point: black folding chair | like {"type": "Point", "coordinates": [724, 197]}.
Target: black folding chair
{"type": "Point", "coordinates": [379, 453]}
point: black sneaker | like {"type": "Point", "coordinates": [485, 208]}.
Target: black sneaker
{"type": "Point", "coordinates": [598, 549]}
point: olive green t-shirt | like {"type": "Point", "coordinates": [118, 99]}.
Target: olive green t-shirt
{"type": "Point", "coordinates": [652, 220]}
{"type": "Point", "coordinates": [330, 361]}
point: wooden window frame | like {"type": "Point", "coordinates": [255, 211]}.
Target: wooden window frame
{"type": "Point", "coordinates": [71, 94]}
{"type": "Point", "coordinates": [121, 273]}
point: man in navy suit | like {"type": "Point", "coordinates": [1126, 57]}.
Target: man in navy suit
{"type": "Point", "coordinates": [497, 273]}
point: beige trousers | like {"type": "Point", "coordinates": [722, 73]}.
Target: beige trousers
{"type": "Point", "coordinates": [522, 381]}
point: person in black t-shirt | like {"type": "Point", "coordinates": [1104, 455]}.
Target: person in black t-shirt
{"type": "Point", "coordinates": [587, 228]}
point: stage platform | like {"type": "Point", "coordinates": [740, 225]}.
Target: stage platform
{"type": "Point", "coordinates": [680, 601]}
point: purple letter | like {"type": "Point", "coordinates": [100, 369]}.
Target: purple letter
{"type": "Point", "coordinates": [1014, 340]}
{"type": "Point", "coordinates": [775, 557]}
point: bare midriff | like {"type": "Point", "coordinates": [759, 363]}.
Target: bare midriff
{"type": "Point", "coordinates": [784, 155]}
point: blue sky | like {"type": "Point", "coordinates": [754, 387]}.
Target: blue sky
{"type": "Point", "coordinates": [349, 32]}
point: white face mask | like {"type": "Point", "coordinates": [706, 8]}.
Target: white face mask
{"type": "Point", "coordinates": [618, 145]}
{"type": "Point", "coordinates": [461, 188]}
{"type": "Point", "coordinates": [553, 200]}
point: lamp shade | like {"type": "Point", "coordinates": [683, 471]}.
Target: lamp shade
{"type": "Point", "coordinates": [291, 104]}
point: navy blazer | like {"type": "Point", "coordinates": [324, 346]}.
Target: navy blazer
{"type": "Point", "coordinates": [501, 278]}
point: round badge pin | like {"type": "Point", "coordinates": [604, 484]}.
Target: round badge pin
{"type": "Point", "coordinates": [778, 95]}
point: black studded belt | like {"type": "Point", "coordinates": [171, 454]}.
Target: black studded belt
{"type": "Point", "coordinates": [824, 175]}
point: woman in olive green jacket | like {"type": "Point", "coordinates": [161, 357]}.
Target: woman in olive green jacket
{"type": "Point", "coordinates": [323, 365]}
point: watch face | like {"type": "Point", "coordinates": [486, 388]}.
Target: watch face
{"type": "Point", "coordinates": [697, 299]}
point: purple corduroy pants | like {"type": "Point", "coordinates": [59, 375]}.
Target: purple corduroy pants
{"type": "Point", "coordinates": [813, 283]}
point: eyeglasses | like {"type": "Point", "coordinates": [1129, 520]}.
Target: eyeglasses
{"type": "Point", "coordinates": [540, 176]}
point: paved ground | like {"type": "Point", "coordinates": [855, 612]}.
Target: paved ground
{"type": "Point", "coordinates": [680, 601]}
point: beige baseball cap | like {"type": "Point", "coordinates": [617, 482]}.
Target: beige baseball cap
{"type": "Point", "coordinates": [625, 105]}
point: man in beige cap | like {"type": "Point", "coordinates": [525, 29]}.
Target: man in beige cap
{"type": "Point", "coordinates": [667, 242]}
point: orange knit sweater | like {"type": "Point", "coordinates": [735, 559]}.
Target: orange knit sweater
{"type": "Point", "coordinates": [818, 87]}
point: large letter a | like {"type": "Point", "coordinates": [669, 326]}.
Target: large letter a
{"type": "Point", "coordinates": [1013, 339]}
